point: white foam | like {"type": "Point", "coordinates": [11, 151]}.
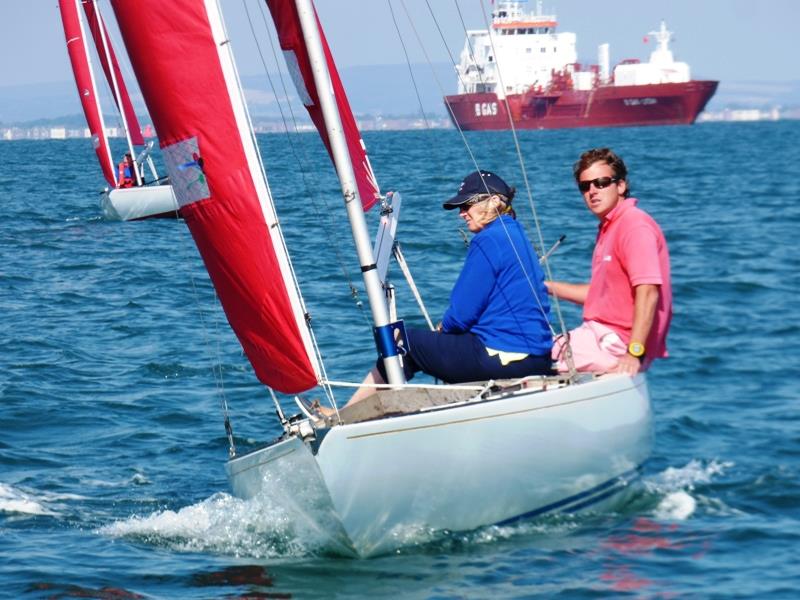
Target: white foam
{"type": "Point", "coordinates": [677, 506]}
{"type": "Point", "coordinates": [13, 500]}
{"type": "Point", "coordinates": [676, 485]}
{"type": "Point", "coordinates": [227, 525]}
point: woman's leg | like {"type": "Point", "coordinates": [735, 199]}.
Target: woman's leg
{"type": "Point", "coordinates": [373, 377]}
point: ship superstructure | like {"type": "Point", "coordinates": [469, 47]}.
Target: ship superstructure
{"type": "Point", "coordinates": [525, 67]}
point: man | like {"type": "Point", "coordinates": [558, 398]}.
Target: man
{"type": "Point", "coordinates": [627, 305]}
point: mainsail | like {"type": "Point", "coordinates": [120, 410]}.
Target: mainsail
{"type": "Point", "coordinates": [109, 61]}
{"type": "Point", "coordinates": [84, 80]}
{"type": "Point", "coordinates": [290, 36]}
{"type": "Point", "coordinates": [182, 60]}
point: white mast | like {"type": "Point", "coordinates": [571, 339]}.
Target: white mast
{"type": "Point", "coordinates": [78, 9]}
{"type": "Point", "coordinates": [347, 178]}
{"type": "Point", "coordinates": [117, 95]}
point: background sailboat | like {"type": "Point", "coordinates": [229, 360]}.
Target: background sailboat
{"type": "Point", "coordinates": [408, 459]}
{"type": "Point", "coordinates": [126, 198]}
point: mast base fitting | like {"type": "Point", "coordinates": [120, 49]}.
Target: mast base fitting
{"type": "Point", "coordinates": [390, 339]}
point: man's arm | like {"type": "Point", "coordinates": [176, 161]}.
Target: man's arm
{"type": "Point", "coordinates": [574, 292]}
{"type": "Point", "coordinates": [644, 311]}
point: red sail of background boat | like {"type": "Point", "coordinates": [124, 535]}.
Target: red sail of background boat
{"type": "Point", "coordinates": [101, 41]}
{"type": "Point", "coordinates": [182, 60]}
{"type": "Point", "coordinates": [84, 80]}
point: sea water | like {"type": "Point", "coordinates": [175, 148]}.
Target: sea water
{"type": "Point", "coordinates": [116, 358]}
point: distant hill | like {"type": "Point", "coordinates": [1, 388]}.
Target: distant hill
{"type": "Point", "coordinates": [386, 91]}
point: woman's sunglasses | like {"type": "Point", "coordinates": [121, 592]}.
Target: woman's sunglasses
{"type": "Point", "coordinates": [600, 183]}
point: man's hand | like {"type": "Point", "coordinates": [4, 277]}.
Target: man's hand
{"type": "Point", "coordinates": [629, 365]}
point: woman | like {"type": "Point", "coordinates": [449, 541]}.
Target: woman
{"type": "Point", "coordinates": [496, 326]}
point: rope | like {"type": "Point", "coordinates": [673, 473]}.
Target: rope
{"type": "Point", "coordinates": [518, 150]}
{"type": "Point", "coordinates": [531, 203]}
{"type": "Point", "coordinates": [408, 63]}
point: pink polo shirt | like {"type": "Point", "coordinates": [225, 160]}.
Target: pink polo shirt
{"type": "Point", "coordinates": [630, 250]}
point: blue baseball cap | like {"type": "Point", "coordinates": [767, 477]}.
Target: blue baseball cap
{"type": "Point", "coordinates": [479, 182]}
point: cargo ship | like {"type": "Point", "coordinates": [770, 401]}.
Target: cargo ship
{"type": "Point", "coordinates": [524, 71]}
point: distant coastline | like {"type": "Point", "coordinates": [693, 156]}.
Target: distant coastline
{"type": "Point", "coordinates": [383, 98]}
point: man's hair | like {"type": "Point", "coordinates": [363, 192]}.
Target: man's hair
{"type": "Point", "coordinates": [606, 155]}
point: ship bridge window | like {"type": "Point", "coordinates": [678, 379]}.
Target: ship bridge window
{"type": "Point", "coordinates": [531, 30]}
{"type": "Point", "coordinates": [520, 31]}
{"type": "Point", "coordinates": [528, 50]}
{"type": "Point", "coordinates": [543, 50]}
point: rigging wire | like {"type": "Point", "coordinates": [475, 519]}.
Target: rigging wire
{"type": "Point", "coordinates": [217, 354]}
{"type": "Point", "coordinates": [466, 143]}
{"type": "Point", "coordinates": [531, 203]}
{"type": "Point", "coordinates": [526, 182]}
{"type": "Point", "coordinates": [302, 160]}
{"type": "Point", "coordinates": [438, 82]}
{"type": "Point", "coordinates": [408, 63]}
{"type": "Point", "coordinates": [323, 375]}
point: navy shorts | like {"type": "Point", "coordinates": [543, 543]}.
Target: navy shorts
{"type": "Point", "coordinates": [461, 357]}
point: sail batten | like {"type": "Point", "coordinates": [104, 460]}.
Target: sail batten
{"type": "Point", "coordinates": [187, 77]}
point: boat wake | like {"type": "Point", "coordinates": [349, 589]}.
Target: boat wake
{"type": "Point", "coordinates": [223, 524]}
{"type": "Point", "coordinates": [676, 489]}
{"type": "Point", "coordinates": [270, 527]}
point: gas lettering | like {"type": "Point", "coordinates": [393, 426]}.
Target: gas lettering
{"type": "Point", "coordinates": [485, 109]}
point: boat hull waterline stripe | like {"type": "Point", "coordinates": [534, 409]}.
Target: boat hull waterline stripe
{"type": "Point", "coordinates": [584, 499]}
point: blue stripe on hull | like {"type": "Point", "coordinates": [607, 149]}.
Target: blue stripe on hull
{"type": "Point", "coordinates": [586, 498]}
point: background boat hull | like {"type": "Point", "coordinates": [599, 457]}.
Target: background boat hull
{"type": "Point", "coordinates": [609, 106]}
{"type": "Point", "coordinates": [143, 202]}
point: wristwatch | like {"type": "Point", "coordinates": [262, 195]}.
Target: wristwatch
{"type": "Point", "coordinates": [636, 349]}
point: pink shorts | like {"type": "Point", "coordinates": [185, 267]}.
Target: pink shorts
{"type": "Point", "coordinates": [595, 348]}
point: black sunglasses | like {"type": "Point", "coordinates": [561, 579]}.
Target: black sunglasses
{"type": "Point", "coordinates": [477, 198]}
{"type": "Point", "coordinates": [600, 183]}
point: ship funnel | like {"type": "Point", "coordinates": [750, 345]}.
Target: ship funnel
{"type": "Point", "coordinates": [603, 62]}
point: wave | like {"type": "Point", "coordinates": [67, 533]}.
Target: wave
{"type": "Point", "coordinates": [13, 500]}
{"type": "Point", "coordinates": [676, 488]}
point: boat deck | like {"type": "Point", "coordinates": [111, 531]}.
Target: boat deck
{"type": "Point", "coordinates": [390, 403]}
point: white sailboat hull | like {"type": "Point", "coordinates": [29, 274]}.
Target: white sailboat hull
{"type": "Point", "coordinates": [142, 202]}
{"type": "Point", "coordinates": [462, 467]}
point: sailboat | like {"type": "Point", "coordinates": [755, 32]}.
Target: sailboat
{"type": "Point", "coordinates": [411, 458]}
{"type": "Point", "coordinates": [128, 197]}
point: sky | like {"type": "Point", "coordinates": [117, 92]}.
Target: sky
{"type": "Point", "coordinates": [734, 40]}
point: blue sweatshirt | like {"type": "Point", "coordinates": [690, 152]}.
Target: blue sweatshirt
{"type": "Point", "coordinates": [495, 299]}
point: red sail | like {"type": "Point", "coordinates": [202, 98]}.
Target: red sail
{"type": "Point", "coordinates": [182, 62]}
{"type": "Point", "coordinates": [124, 105]}
{"type": "Point", "coordinates": [81, 68]}
{"type": "Point", "coordinates": [290, 35]}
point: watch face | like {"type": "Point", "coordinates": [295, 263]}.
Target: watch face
{"type": "Point", "coordinates": [636, 349]}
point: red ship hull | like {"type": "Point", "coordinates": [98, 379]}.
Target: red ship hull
{"type": "Point", "coordinates": [606, 106]}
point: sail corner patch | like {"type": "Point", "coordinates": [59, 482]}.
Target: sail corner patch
{"type": "Point", "coordinates": [185, 168]}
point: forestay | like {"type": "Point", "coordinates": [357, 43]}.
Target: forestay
{"type": "Point", "coordinates": [196, 104]}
